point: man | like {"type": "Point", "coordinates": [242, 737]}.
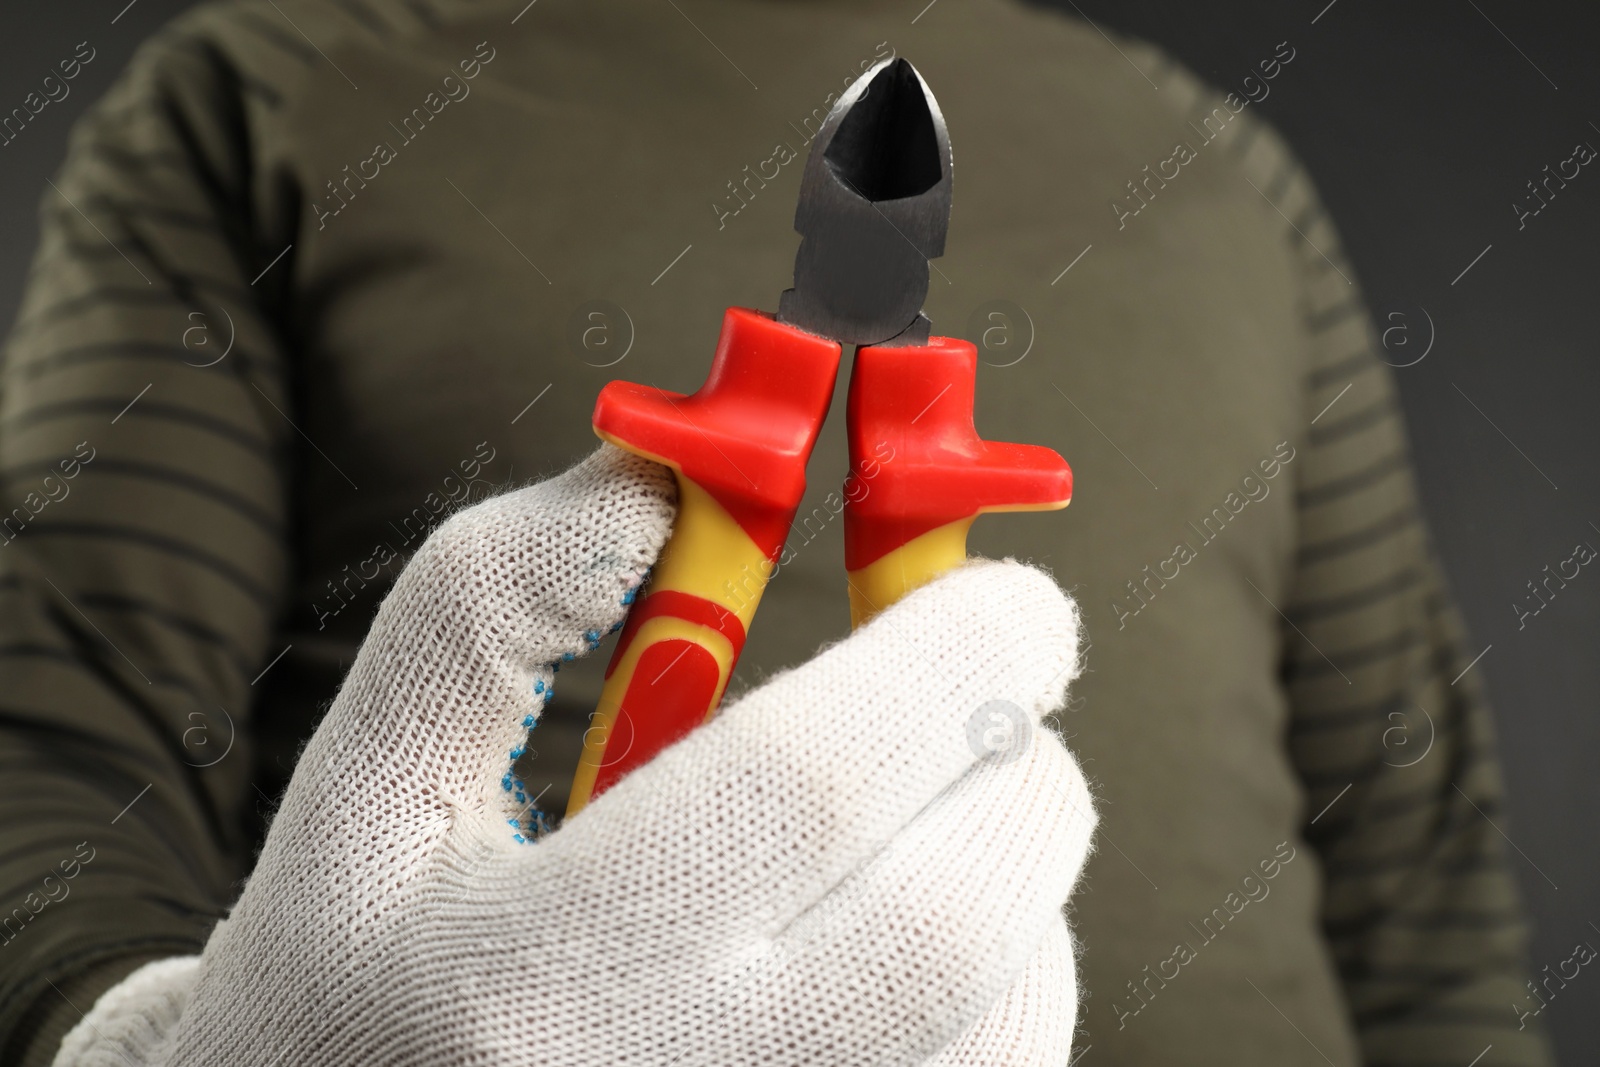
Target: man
{"type": "Point", "coordinates": [399, 221]}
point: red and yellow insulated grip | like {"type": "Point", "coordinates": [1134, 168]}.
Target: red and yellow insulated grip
{"type": "Point", "coordinates": [738, 447]}
{"type": "Point", "coordinates": [910, 418]}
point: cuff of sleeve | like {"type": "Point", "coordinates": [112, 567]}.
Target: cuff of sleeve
{"type": "Point", "coordinates": [132, 1022]}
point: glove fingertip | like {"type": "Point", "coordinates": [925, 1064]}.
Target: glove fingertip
{"type": "Point", "coordinates": [1009, 609]}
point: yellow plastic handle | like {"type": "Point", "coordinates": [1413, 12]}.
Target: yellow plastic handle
{"type": "Point", "coordinates": [915, 563]}
{"type": "Point", "coordinates": [683, 637]}
{"type": "Point", "coordinates": [918, 562]}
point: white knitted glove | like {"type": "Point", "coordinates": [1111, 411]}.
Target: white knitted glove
{"type": "Point", "coordinates": [828, 873]}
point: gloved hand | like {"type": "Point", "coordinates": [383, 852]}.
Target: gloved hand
{"type": "Point", "coordinates": [833, 871]}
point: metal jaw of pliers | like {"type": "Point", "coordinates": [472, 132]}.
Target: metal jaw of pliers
{"type": "Point", "coordinates": [874, 209]}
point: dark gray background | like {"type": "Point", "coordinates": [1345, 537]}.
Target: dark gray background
{"type": "Point", "coordinates": [1422, 123]}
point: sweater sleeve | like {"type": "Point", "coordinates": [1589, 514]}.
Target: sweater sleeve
{"type": "Point", "coordinates": [1389, 731]}
{"type": "Point", "coordinates": [144, 449]}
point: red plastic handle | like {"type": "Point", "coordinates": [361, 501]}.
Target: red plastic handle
{"type": "Point", "coordinates": [745, 435]}
{"type": "Point", "coordinates": [910, 425]}
{"type": "Point", "coordinates": [739, 447]}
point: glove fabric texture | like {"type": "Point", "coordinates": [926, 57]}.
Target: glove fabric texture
{"type": "Point", "coordinates": [844, 867]}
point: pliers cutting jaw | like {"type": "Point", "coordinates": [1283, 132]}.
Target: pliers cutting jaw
{"type": "Point", "coordinates": [874, 208]}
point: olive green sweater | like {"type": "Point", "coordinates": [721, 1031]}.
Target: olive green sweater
{"type": "Point", "coordinates": [315, 274]}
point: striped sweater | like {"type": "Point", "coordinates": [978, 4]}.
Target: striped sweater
{"type": "Point", "coordinates": [315, 274]}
